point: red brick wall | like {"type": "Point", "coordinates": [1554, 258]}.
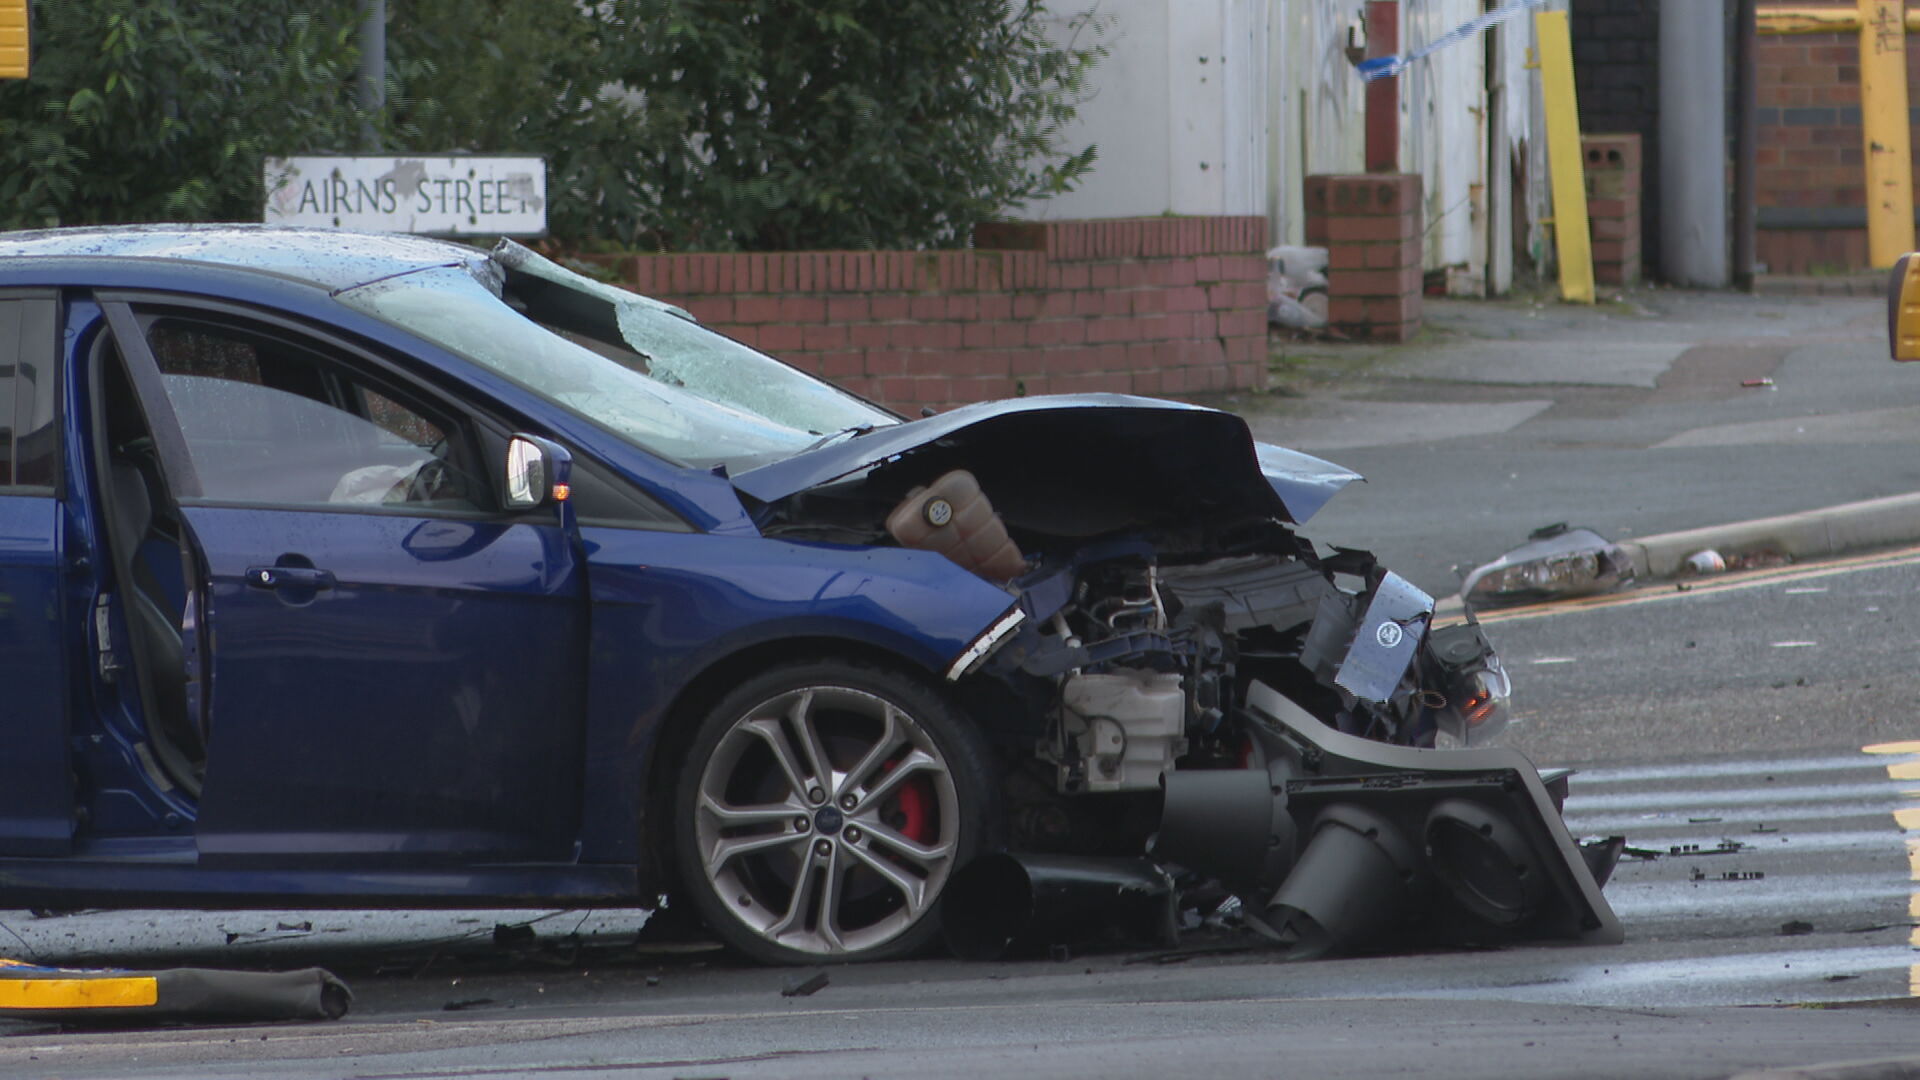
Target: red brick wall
{"type": "Point", "coordinates": [1811, 176]}
{"type": "Point", "coordinates": [1613, 206]}
{"type": "Point", "coordinates": [1149, 306]}
{"type": "Point", "coordinates": [1370, 226]}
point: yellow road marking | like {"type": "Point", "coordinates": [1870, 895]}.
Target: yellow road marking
{"type": "Point", "coordinates": [56, 993]}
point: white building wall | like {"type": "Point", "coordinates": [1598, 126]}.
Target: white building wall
{"type": "Point", "coordinates": [1178, 113]}
{"type": "Point", "coordinates": [1225, 106]}
{"type": "Point", "coordinates": [1319, 105]}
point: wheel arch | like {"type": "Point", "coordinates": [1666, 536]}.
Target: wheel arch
{"type": "Point", "coordinates": [680, 720]}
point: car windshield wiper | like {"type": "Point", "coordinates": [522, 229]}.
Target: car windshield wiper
{"type": "Point", "coordinates": [853, 432]}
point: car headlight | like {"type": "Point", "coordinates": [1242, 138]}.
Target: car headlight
{"type": "Point", "coordinates": [1556, 561]}
{"type": "Point", "coordinates": [1476, 710]}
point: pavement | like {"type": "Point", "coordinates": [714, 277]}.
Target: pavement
{"type": "Point", "coordinates": [1670, 421]}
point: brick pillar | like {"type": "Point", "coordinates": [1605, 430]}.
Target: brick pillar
{"type": "Point", "coordinates": [1370, 226]}
{"type": "Point", "coordinates": [1383, 95]}
{"type": "Point", "coordinates": [1613, 206]}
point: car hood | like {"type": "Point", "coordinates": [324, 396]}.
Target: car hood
{"type": "Point", "coordinates": [1164, 458]}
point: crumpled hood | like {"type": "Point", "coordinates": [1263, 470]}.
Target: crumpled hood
{"type": "Point", "coordinates": [1054, 456]}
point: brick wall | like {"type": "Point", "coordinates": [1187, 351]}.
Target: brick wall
{"type": "Point", "coordinates": [1612, 166]}
{"type": "Point", "coordinates": [1812, 177]}
{"type": "Point", "coordinates": [1370, 225]}
{"type": "Point", "coordinates": [1151, 306]}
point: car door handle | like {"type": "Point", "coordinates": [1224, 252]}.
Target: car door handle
{"type": "Point", "coordinates": [289, 577]}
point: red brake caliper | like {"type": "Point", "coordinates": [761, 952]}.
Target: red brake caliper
{"type": "Point", "coordinates": [915, 799]}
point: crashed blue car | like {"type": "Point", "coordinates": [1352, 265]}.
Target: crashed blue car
{"type": "Point", "coordinates": [352, 570]}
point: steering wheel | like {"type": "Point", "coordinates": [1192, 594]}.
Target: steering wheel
{"type": "Point", "coordinates": [431, 482]}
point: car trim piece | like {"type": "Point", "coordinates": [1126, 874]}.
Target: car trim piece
{"type": "Point", "coordinates": [169, 441]}
{"type": "Point", "coordinates": [985, 643]}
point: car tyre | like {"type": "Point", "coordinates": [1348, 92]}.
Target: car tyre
{"type": "Point", "coordinates": [822, 809]}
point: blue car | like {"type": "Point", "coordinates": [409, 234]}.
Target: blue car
{"type": "Point", "coordinates": [356, 570]}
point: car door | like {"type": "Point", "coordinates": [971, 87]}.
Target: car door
{"type": "Point", "coordinates": [396, 668]}
{"type": "Point", "coordinates": [36, 773]}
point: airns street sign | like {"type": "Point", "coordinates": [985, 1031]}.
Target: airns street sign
{"type": "Point", "coordinates": [440, 196]}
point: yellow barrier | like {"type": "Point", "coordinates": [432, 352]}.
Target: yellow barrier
{"type": "Point", "coordinates": [13, 39]}
{"type": "Point", "coordinates": [1566, 166]}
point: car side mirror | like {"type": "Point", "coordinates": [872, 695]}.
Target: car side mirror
{"type": "Point", "coordinates": [538, 471]}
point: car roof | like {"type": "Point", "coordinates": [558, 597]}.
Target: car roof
{"type": "Point", "coordinates": [330, 258]}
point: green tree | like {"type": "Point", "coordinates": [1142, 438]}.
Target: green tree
{"type": "Point", "coordinates": [666, 124]}
{"type": "Point", "coordinates": [757, 124]}
{"type": "Point", "coordinates": [145, 111]}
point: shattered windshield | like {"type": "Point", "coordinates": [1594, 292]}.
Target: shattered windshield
{"type": "Point", "coordinates": [632, 365]}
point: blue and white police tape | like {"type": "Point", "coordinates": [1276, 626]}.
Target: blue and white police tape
{"type": "Point", "coordinates": [1382, 67]}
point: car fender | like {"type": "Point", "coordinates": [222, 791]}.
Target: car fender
{"type": "Point", "coordinates": [668, 607]}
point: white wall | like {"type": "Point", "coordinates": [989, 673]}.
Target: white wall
{"type": "Point", "coordinates": [1225, 106]}
{"type": "Point", "coordinates": [1318, 105]}
{"type": "Point", "coordinates": [1178, 112]}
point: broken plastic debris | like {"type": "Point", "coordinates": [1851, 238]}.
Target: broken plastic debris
{"type": "Point", "coordinates": [1706, 561]}
{"type": "Point", "coordinates": [1556, 561]}
{"type": "Point", "coordinates": [1763, 381]}
{"type": "Point", "coordinates": [1297, 287]}
{"type": "Point", "coordinates": [813, 984]}
{"type": "Point", "coordinates": [74, 995]}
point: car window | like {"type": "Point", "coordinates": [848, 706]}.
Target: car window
{"type": "Point", "coordinates": [626, 363]}
{"type": "Point", "coordinates": [29, 436]}
{"type": "Point", "coordinates": [272, 420]}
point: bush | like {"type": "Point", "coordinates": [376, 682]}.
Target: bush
{"type": "Point", "coordinates": [667, 124]}
{"type": "Point", "coordinates": [727, 125]}
{"type": "Point", "coordinates": [144, 111]}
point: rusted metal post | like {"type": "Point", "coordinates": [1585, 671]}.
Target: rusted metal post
{"type": "Point", "coordinates": [1383, 95]}
{"type": "Point", "coordinates": [1746, 126]}
{"type": "Point", "coordinates": [1889, 143]}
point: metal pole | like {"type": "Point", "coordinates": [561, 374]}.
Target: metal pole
{"type": "Point", "coordinates": [373, 69]}
{"type": "Point", "coordinates": [1693, 138]}
{"type": "Point", "coordinates": [1889, 144]}
{"type": "Point", "coordinates": [1746, 152]}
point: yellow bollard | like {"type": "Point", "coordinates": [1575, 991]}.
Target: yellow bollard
{"type": "Point", "coordinates": [13, 39]}
{"type": "Point", "coordinates": [1883, 113]}
{"type": "Point", "coordinates": [1566, 165]}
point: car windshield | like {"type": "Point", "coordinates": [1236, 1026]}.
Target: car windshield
{"type": "Point", "coordinates": [632, 365]}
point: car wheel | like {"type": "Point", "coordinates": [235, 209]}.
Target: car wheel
{"type": "Point", "coordinates": [823, 808]}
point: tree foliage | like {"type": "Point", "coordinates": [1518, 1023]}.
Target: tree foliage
{"type": "Point", "coordinates": [144, 111]}
{"type": "Point", "coordinates": [761, 124]}
{"type": "Point", "coordinates": [666, 124]}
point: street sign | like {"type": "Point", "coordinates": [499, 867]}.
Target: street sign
{"type": "Point", "coordinates": [440, 196]}
{"type": "Point", "coordinates": [13, 39]}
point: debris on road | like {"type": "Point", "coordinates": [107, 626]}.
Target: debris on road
{"type": "Point", "coordinates": [514, 935]}
{"type": "Point", "coordinates": [1557, 561]}
{"type": "Point", "coordinates": [1762, 382]}
{"type": "Point", "coordinates": [1329, 842]}
{"type": "Point", "coordinates": [813, 984]}
{"type": "Point", "coordinates": [1795, 928]}
{"type": "Point", "coordinates": [98, 995]}
{"type": "Point", "coordinates": [1724, 847]}
{"type": "Point", "coordinates": [1706, 561]}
